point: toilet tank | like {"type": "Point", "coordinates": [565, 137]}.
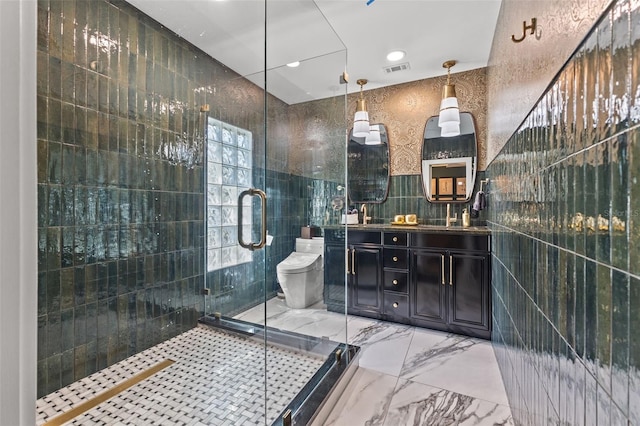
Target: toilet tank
{"type": "Point", "coordinates": [314, 245]}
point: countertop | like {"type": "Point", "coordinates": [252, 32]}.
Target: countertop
{"type": "Point", "coordinates": [453, 229]}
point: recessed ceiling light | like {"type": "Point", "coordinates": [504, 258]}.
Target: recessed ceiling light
{"type": "Point", "coordinates": [293, 64]}
{"type": "Point", "coordinates": [396, 55]}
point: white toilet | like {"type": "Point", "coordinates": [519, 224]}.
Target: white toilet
{"type": "Point", "coordinates": [301, 274]}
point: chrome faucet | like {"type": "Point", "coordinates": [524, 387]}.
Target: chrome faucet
{"type": "Point", "coordinates": [450, 219]}
{"type": "Point", "coordinates": [365, 218]}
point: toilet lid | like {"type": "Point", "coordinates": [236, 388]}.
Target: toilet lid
{"type": "Point", "coordinates": [298, 262]}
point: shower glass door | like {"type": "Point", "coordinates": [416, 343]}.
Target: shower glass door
{"type": "Point", "coordinates": [275, 158]}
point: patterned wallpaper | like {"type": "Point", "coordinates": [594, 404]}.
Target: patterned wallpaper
{"type": "Point", "coordinates": [404, 109]}
{"type": "Point", "coordinates": [518, 73]}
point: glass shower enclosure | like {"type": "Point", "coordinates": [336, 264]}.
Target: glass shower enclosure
{"type": "Point", "coordinates": [275, 157]}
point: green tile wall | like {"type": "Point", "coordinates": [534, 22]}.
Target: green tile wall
{"type": "Point", "coordinates": [563, 204]}
{"type": "Point", "coordinates": [120, 219]}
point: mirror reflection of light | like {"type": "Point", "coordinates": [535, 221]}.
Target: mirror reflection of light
{"type": "Point", "coordinates": [102, 41]}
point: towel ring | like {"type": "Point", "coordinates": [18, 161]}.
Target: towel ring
{"type": "Point", "coordinates": [482, 182]}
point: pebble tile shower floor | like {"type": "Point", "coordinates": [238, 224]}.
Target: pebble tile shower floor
{"type": "Point", "coordinates": [217, 378]}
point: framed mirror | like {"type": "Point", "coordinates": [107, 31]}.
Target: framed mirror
{"type": "Point", "coordinates": [368, 166]}
{"type": "Point", "coordinates": [449, 164]}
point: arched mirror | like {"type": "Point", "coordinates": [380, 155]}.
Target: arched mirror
{"type": "Point", "coordinates": [449, 163]}
{"type": "Point", "coordinates": [368, 166]}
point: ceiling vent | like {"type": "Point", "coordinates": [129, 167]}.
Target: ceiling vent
{"type": "Point", "coordinates": [396, 68]}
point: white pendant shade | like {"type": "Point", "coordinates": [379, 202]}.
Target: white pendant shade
{"type": "Point", "coordinates": [449, 118]}
{"type": "Point", "coordinates": [361, 124]}
{"type": "Point", "coordinates": [450, 129]}
{"type": "Point", "coordinates": [449, 112]}
{"type": "Point", "coordinates": [373, 138]}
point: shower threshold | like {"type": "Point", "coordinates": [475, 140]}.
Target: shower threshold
{"type": "Point", "coordinates": [310, 405]}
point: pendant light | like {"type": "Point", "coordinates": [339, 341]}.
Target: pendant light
{"type": "Point", "coordinates": [449, 119]}
{"type": "Point", "coordinates": [361, 119]}
{"type": "Point", "coordinates": [373, 138]}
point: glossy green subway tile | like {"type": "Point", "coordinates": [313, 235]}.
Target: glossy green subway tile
{"type": "Point", "coordinates": [54, 334]}
{"type": "Point", "coordinates": [604, 219]}
{"type": "Point", "coordinates": [42, 128]}
{"type": "Point", "coordinates": [591, 315]}
{"type": "Point", "coordinates": [590, 202]}
{"type": "Point", "coordinates": [604, 79]}
{"type": "Point", "coordinates": [604, 309]}
{"type": "Point", "coordinates": [635, 63]}
{"type": "Point", "coordinates": [620, 339]}
{"type": "Point", "coordinates": [67, 197]}
{"type": "Point", "coordinates": [580, 312]}
{"type": "Point", "coordinates": [634, 202]}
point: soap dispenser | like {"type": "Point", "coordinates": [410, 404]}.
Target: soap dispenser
{"type": "Point", "coordinates": [466, 218]}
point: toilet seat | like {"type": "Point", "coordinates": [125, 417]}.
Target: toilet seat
{"type": "Point", "coordinates": [297, 263]}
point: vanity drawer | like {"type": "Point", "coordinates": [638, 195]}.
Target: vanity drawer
{"type": "Point", "coordinates": [395, 239]}
{"type": "Point", "coordinates": [396, 281]}
{"type": "Point", "coordinates": [364, 237]}
{"type": "Point", "coordinates": [396, 304]}
{"type": "Point", "coordinates": [451, 241]}
{"type": "Point", "coordinates": [395, 258]}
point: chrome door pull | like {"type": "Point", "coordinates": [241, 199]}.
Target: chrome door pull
{"type": "Point", "coordinates": [442, 270]}
{"type": "Point", "coordinates": [263, 231]}
{"type": "Point", "coordinates": [450, 270]}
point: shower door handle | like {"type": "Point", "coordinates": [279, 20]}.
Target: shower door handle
{"type": "Point", "coordinates": [263, 231]}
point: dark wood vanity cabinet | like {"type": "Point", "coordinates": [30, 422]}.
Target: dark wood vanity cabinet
{"type": "Point", "coordinates": [364, 280]}
{"type": "Point", "coordinates": [450, 291]}
{"type": "Point", "coordinates": [363, 272]}
{"type": "Point", "coordinates": [438, 280]}
{"type": "Point", "coordinates": [334, 271]}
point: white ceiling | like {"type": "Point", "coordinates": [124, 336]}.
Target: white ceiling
{"type": "Point", "coordinates": [328, 35]}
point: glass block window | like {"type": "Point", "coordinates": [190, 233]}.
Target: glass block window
{"type": "Point", "coordinates": [228, 174]}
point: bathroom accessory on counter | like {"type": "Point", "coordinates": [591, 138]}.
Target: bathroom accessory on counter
{"type": "Point", "coordinates": [407, 219]}
{"type": "Point", "coordinates": [350, 218]}
{"type": "Point", "coordinates": [398, 219]}
{"type": "Point", "coordinates": [309, 232]}
{"type": "Point", "coordinates": [466, 218]}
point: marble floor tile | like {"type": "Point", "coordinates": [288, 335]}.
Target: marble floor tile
{"type": "Point", "coordinates": [456, 363]}
{"type": "Point", "coordinates": [383, 346]}
{"type": "Point", "coordinates": [365, 400]}
{"type": "Point", "coordinates": [314, 321]}
{"type": "Point", "coordinates": [416, 404]}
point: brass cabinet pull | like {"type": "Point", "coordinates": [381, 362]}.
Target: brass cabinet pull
{"type": "Point", "coordinates": [395, 282]}
{"type": "Point", "coordinates": [353, 262]}
{"type": "Point", "coordinates": [395, 258]}
{"type": "Point", "coordinates": [395, 304]}
{"type": "Point", "coordinates": [442, 270]}
{"type": "Point", "coordinates": [395, 239]}
{"type": "Point", "coordinates": [450, 270]}
{"type": "Point", "coordinates": [346, 261]}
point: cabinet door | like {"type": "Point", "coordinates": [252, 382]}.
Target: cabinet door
{"type": "Point", "coordinates": [365, 279]}
{"type": "Point", "coordinates": [334, 277]}
{"type": "Point", "coordinates": [469, 290]}
{"type": "Point", "coordinates": [428, 292]}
